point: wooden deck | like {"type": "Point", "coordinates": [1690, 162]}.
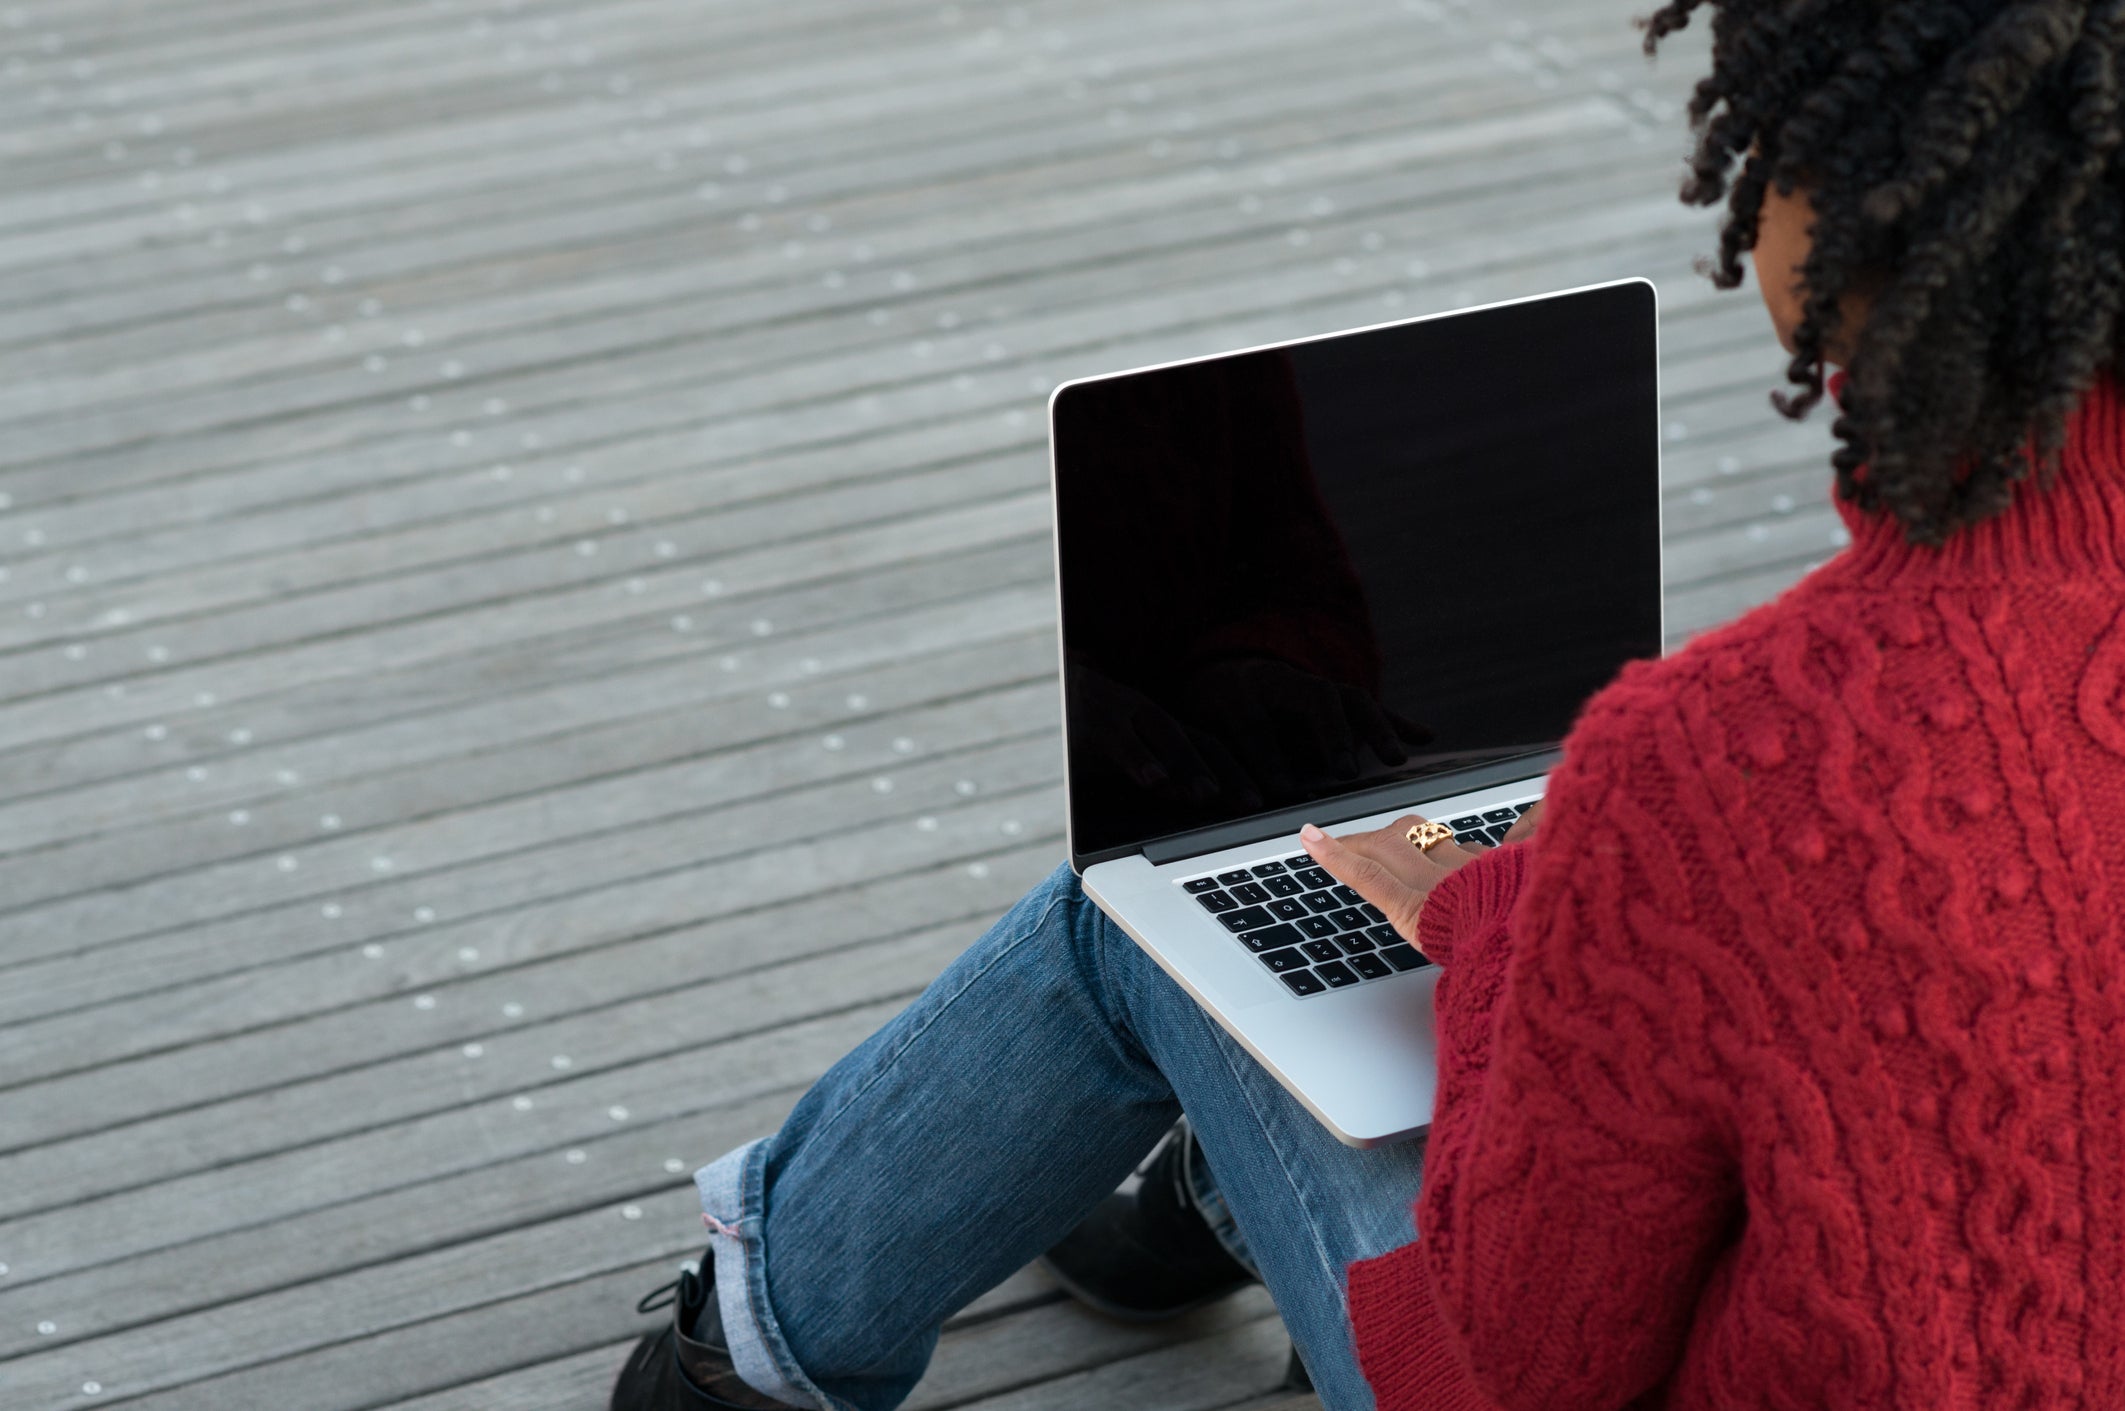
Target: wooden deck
{"type": "Point", "coordinates": [506, 503]}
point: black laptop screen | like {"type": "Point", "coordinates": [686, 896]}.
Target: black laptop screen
{"type": "Point", "coordinates": [1298, 574]}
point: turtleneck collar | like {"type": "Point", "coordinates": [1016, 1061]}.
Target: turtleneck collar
{"type": "Point", "coordinates": [2074, 527]}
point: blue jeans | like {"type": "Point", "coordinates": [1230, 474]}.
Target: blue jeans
{"type": "Point", "coordinates": [988, 1118]}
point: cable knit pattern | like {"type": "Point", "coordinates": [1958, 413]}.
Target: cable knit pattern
{"type": "Point", "coordinates": [1785, 1067]}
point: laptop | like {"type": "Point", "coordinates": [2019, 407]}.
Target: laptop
{"type": "Point", "coordinates": [1337, 580]}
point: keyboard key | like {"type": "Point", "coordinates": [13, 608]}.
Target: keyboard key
{"type": "Point", "coordinates": [1302, 860]}
{"type": "Point", "coordinates": [1372, 967]}
{"type": "Point", "coordinates": [1349, 919]}
{"type": "Point", "coordinates": [1250, 893]}
{"type": "Point", "coordinates": [1346, 895]}
{"type": "Point", "coordinates": [1316, 877]}
{"type": "Point", "coordinates": [1404, 958]}
{"type": "Point", "coordinates": [1268, 869]}
{"type": "Point", "coordinates": [1338, 975]}
{"type": "Point", "coordinates": [1303, 983]}
{"type": "Point", "coordinates": [1270, 937]}
{"type": "Point", "coordinates": [1498, 832]}
{"type": "Point", "coordinates": [1463, 824]}
{"type": "Point", "coordinates": [1317, 925]}
{"type": "Point", "coordinates": [1288, 909]}
{"type": "Point", "coordinates": [1371, 913]}
{"type": "Point", "coordinates": [1251, 918]}
{"type": "Point", "coordinates": [1473, 840]}
{"type": "Point", "coordinates": [1233, 879]}
{"type": "Point", "coordinates": [1216, 901]}
{"type": "Point", "coordinates": [1321, 901]}
{"type": "Point", "coordinates": [1322, 950]}
{"type": "Point", "coordinates": [1385, 936]}
{"type": "Point", "coordinates": [1500, 815]}
{"type": "Point", "coordinates": [1524, 807]}
{"type": "Point", "coordinates": [1354, 942]}
{"type": "Point", "coordinates": [1200, 884]}
{"type": "Point", "coordinates": [1284, 886]}
{"type": "Point", "coordinates": [1283, 960]}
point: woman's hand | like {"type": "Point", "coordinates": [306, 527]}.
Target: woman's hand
{"type": "Point", "coordinates": [1388, 870]}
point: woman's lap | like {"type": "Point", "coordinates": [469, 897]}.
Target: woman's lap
{"type": "Point", "coordinates": [985, 1120]}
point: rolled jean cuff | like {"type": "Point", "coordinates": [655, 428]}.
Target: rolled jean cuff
{"type": "Point", "coordinates": [732, 1189]}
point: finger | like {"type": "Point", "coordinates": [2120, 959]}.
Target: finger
{"type": "Point", "coordinates": [1524, 826]}
{"type": "Point", "coordinates": [1391, 847]}
{"type": "Point", "coordinates": [1397, 899]}
{"type": "Point", "coordinates": [1371, 722]}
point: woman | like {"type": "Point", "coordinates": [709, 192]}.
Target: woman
{"type": "Point", "coordinates": [1782, 1062]}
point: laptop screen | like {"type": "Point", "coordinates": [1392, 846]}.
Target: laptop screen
{"type": "Point", "coordinates": [1296, 574]}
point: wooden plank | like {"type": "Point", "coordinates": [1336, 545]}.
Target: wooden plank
{"type": "Point", "coordinates": [981, 1359]}
{"type": "Point", "coordinates": [318, 1014]}
{"type": "Point", "coordinates": [530, 689]}
{"type": "Point", "coordinates": [907, 141]}
{"type": "Point", "coordinates": [77, 670]}
{"type": "Point", "coordinates": [1232, 1366]}
{"type": "Point", "coordinates": [898, 697]}
{"type": "Point", "coordinates": [1055, 267]}
{"type": "Point", "coordinates": [1225, 1350]}
{"type": "Point", "coordinates": [155, 1022]}
{"type": "Point", "coordinates": [596, 147]}
{"type": "Point", "coordinates": [330, 384]}
{"type": "Point", "coordinates": [584, 1162]}
{"type": "Point", "coordinates": [434, 1088]}
{"type": "Point", "coordinates": [1722, 600]}
{"type": "Point", "coordinates": [400, 883]}
{"type": "Point", "coordinates": [723, 623]}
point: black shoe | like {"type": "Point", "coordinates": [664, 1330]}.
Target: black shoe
{"type": "Point", "coordinates": [1148, 1254]}
{"type": "Point", "coordinates": [686, 1366]}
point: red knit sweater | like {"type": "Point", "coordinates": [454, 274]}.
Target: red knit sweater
{"type": "Point", "coordinates": [1784, 1067]}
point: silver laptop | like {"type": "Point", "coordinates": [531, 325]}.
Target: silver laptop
{"type": "Point", "coordinates": [1335, 581]}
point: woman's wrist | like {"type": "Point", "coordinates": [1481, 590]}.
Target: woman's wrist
{"type": "Point", "coordinates": [1473, 898]}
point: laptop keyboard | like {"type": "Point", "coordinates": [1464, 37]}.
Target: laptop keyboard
{"type": "Point", "coordinates": [1314, 933]}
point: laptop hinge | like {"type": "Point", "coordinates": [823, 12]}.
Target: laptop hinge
{"type": "Point", "coordinates": [1285, 822]}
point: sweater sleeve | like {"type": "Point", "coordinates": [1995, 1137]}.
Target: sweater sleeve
{"type": "Point", "coordinates": [1576, 1190]}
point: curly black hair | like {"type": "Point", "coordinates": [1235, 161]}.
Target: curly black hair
{"type": "Point", "coordinates": [1963, 160]}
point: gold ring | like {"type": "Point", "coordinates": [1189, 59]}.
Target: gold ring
{"type": "Point", "coordinates": [1425, 835]}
